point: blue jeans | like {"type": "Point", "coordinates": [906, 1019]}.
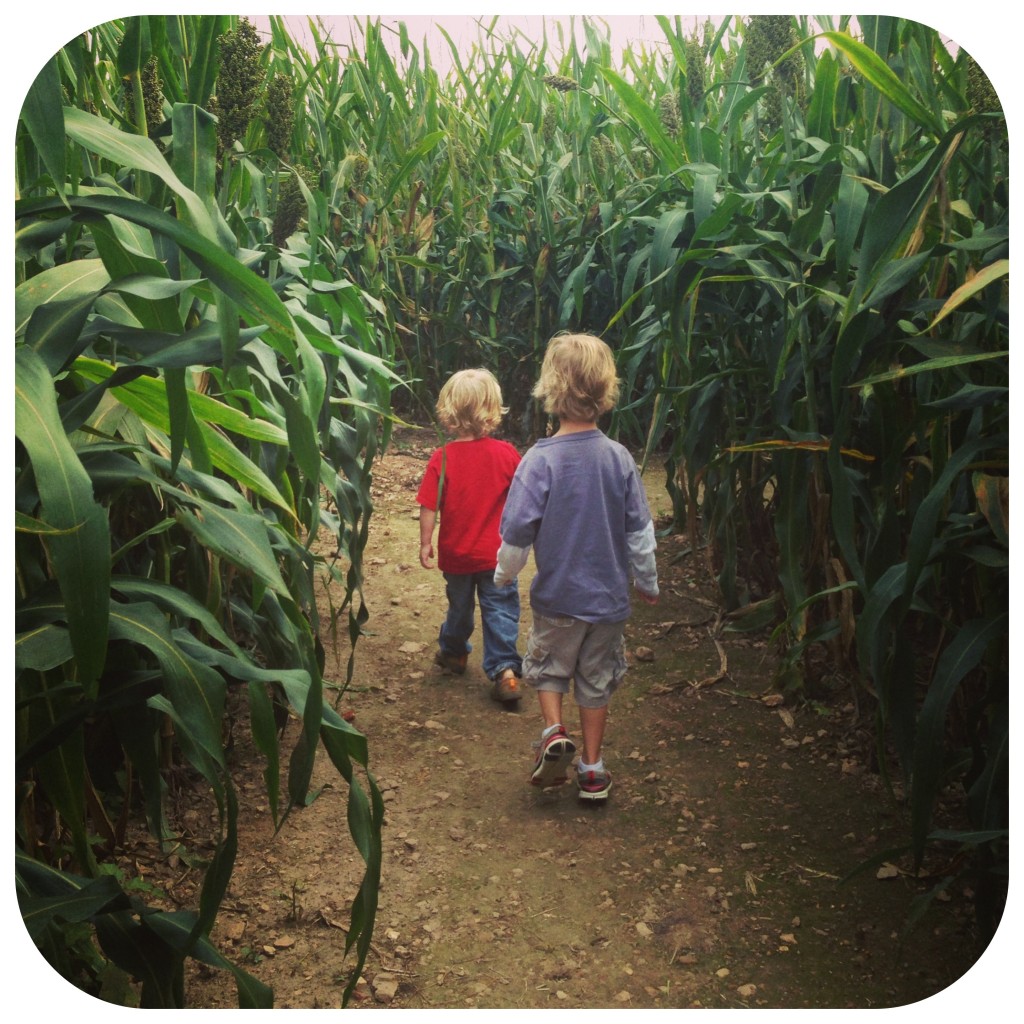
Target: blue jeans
{"type": "Point", "coordinates": [499, 618]}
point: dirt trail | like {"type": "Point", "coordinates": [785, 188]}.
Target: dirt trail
{"type": "Point", "coordinates": [711, 878]}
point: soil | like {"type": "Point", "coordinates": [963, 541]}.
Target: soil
{"type": "Point", "coordinates": [716, 875]}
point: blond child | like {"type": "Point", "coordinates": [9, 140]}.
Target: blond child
{"type": "Point", "coordinates": [578, 501]}
{"type": "Point", "coordinates": [465, 484]}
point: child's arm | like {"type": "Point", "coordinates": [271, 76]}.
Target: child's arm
{"type": "Point", "coordinates": [642, 546]}
{"type": "Point", "coordinates": [428, 518]}
{"type": "Point", "coordinates": [511, 561]}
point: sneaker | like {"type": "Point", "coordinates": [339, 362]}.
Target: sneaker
{"type": "Point", "coordinates": [554, 755]}
{"type": "Point", "coordinates": [452, 662]}
{"type": "Point", "coordinates": [507, 688]}
{"type": "Point", "coordinates": [594, 785]}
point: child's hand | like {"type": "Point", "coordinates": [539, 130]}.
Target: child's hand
{"type": "Point", "coordinates": [427, 556]}
{"type": "Point", "coordinates": [647, 598]}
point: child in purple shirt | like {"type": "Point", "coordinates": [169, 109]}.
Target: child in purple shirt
{"type": "Point", "coordinates": [577, 500]}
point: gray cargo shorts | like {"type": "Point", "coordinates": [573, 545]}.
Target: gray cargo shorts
{"type": "Point", "coordinates": [590, 654]}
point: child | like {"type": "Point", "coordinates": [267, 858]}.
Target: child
{"type": "Point", "coordinates": [467, 481]}
{"type": "Point", "coordinates": [578, 501]}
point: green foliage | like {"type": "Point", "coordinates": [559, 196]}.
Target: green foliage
{"type": "Point", "coordinates": [179, 425]}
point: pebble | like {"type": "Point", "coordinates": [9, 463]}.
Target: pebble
{"type": "Point", "coordinates": [385, 988]}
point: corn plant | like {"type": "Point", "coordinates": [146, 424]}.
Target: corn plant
{"type": "Point", "coordinates": [830, 349]}
{"type": "Point", "coordinates": [179, 422]}
{"type": "Point", "coordinates": [798, 246]}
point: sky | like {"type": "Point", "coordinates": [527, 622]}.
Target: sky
{"type": "Point", "coordinates": [38, 38]}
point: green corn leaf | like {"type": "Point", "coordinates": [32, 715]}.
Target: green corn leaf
{"type": "Point", "coordinates": [80, 556]}
{"type": "Point", "coordinates": [885, 80]}
{"type": "Point", "coordinates": [823, 98]}
{"type": "Point", "coordinates": [177, 929]}
{"type": "Point", "coordinates": [264, 735]}
{"type": "Point", "coordinates": [705, 185]}
{"type": "Point", "coordinates": [55, 331]}
{"type": "Point", "coordinates": [43, 648]}
{"type": "Point", "coordinates": [195, 692]}
{"type": "Point", "coordinates": [872, 637]}
{"type": "Point", "coordinates": [69, 282]}
{"type": "Point", "coordinates": [139, 152]}
{"type": "Point", "coordinates": [929, 366]}
{"type": "Point", "coordinates": [195, 149]}
{"type": "Point", "coordinates": [980, 281]}
{"type": "Point", "coordinates": [81, 901]}
{"type": "Point", "coordinates": [254, 296]}
{"type": "Point", "coordinates": [423, 148]}
{"type": "Point", "coordinates": [29, 524]}
{"type": "Point", "coordinates": [851, 203]}
{"type": "Point", "coordinates": [922, 531]}
{"type": "Point", "coordinates": [126, 940]}
{"type": "Point", "coordinates": [665, 148]}
{"type": "Point", "coordinates": [963, 654]}
{"type": "Point", "coordinates": [149, 399]}
{"type": "Point", "coordinates": [43, 118]}
{"type": "Point", "coordinates": [896, 214]}
{"type": "Point", "coordinates": [238, 536]}
{"type": "Point", "coordinates": [176, 602]}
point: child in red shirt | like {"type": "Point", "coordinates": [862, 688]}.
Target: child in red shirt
{"type": "Point", "coordinates": [466, 481]}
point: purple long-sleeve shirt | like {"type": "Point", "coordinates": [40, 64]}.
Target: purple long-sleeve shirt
{"type": "Point", "coordinates": [578, 501]}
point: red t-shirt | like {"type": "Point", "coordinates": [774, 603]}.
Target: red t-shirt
{"type": "Point", "coordinates": [477, 475]}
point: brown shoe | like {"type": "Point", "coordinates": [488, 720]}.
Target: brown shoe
{"type": "Point", "coordinates": [452, 662]}
{"type": "Point", "coordinates": [507, 688]}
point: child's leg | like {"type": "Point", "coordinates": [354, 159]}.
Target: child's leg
{"type": "Point", "coordinates": [457, 627]}
{"type": "Point", "coordinates": [499, 620]}
{"type": "Point", "coordinates": [592, 723]}
{"type": "Point", "coordinates": [550, 707]}
{"type": "Point", "coordinates": [600, 669]}
{"type": "Point", "coordinates": [550, 655]}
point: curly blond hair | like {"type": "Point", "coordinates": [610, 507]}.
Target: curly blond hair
{"type": "Point", "coordinates": [470, 403]}
{"type": "Point", "coordinates": [577, 379]}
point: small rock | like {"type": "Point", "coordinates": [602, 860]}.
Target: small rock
{"type": "Point", "coordinates": [644, 654]}
{"type": "Point", "coordinates": [623, 997]}
{"type": "Point", "coordinates": [722, 972]}
{"type": "Point", "coordinates": [411, 647]}
{"type": "Point", "coordinates": [746, 991]}
{"type": "Point", "coordinates": [643, 930]}
{"type": "Point", "coordinates": [432, 725]}
{"type": "Point", "coordinates": [284, 942]}
{"type": "Point", "coordinates": [385, 988]}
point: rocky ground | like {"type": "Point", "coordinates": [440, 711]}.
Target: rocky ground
{"type": "Point", "coordinates": [715, 877]}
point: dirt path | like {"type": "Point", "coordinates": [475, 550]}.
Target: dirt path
{"type": "Point", "coordinates": [711, 879]}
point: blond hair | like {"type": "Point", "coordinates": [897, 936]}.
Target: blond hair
{"type": "Point", "coordinates": [577, 379]}
{"type": "Point", "coordinates": [470, 403]}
